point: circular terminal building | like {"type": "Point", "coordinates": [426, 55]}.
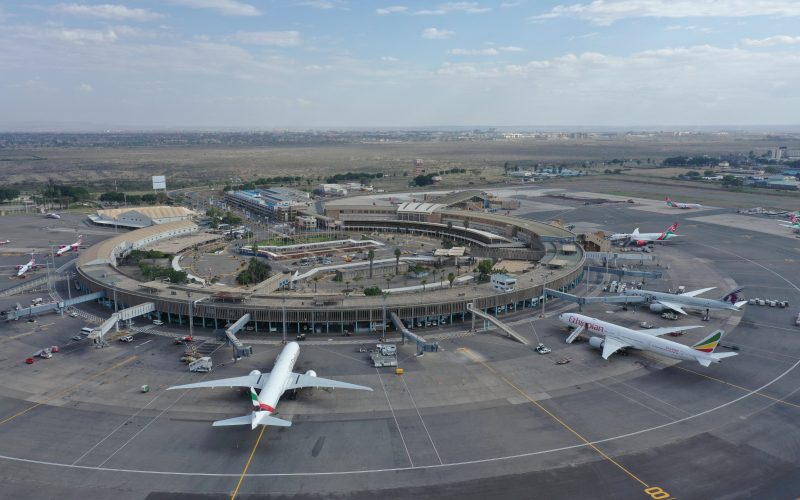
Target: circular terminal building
{"type": "Point", "coordinates": [531, 255]}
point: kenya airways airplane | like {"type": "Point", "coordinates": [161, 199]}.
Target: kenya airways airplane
{"type": "Point", "coordinates": [5, 242]}
{"type": "Point", "coordinates": [677, 204]}
{"type": "Point", "coordinates": [272, 386]}
{"type": "Point", "coordinates": [642, 239]}
{"type": "Point", "coordinates": [611, 338]}
{"type": "Point", "coordinates": [69, 248]}
{"type": "Point", "coordinates": [30, 266]}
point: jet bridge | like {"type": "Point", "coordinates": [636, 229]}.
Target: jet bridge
{"type": "Point", "coordinates": [57, 306]}
{"type": "Point", "coordinates": [99, 333]}
{"type": "Point", "coordinates": [613, 299]}
{"type": "Point", "coordinates": [239, 349]}
{"type": "Point", "coordinates": [507, 329]}
{"type": "Point", "coordinates": [624, 272]}
{"type": "Point", "coordinates": [422, 344]}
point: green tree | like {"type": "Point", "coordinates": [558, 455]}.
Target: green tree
{"type": "Point", "coordinates": [424, 282]}
{"type": "Point", "coordinates": [485, 269]}
{"type": "Point", "coordinates": [8, 193]}
{"type": "Point", "coordinates": [451, 278]}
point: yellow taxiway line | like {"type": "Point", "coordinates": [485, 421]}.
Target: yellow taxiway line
{"type": "Point", "coordinates": [247, 465]}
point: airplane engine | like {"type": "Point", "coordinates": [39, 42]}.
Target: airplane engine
{"type": "Point", "coordinates": [311, 373]}
{"type": "Point", "coordinates": [596, 342]}
{"type": "Point", "coordinates": [656, 308]}
{"type": "Point", "coordinates": [255, 373]}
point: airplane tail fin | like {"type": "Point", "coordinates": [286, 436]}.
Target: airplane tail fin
{"type": "Point", "coordinates": [709, 343]}
{"type": "Point", "coordinates": [635, 232]}
{"type": "Point", "coordinates": [254, 397]}
{"type": "Point", "coordinates": [669, 201]}
{"type": "Point", "coordinates": [732, 296]}
{"type": "Point", "coordinates": [253, 420]}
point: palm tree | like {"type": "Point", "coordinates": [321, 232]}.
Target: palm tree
{"type": "Point", "coordinates": [315, 278]}
{"type": "Point", "coordinates": [371, 257]}
{"type": "Point", "coordinates": [451, 278]}
{"type": "Point", "coordinates": [388, 279]}
{"type": "Point", "coordinates": [466, 223]}
{"type": "Point", "coordinates": [397, 254]}
{"type": "Point", "coordinates": [346, 286]}
{"type": "Point", "coordinates": [424, 282]}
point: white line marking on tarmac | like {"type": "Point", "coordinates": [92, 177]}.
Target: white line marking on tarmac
{"type": "Point", "coordinates": [421, 420]}
{"type": "Point", "coordinates": [395, 418]}
{"type": "Point", "coordinates": [145, 342]}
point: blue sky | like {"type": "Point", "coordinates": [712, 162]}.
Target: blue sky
{"type": "Point", "coordinates": [338, 63]}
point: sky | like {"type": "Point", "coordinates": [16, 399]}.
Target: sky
{"type": "Point", "coordinates": [360, 64]}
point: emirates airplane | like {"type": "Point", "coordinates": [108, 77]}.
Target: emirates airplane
{"type": "Point", "coordinates": [611, 338]}
{"type": "Point", "coordinates": [271, 386]}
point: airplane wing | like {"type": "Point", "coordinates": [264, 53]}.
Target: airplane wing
{"type": "Point", "coordinates": [695, 293]}
{"type": "Point", "coordinates": [300, 381]}
{"type": "Point", "coordinates": [612, 345]}
{"type": "Point", "coordinates": [246, 381]}
{"type": "Point", "coordinates": [657, 332]}
{"type": "Point", "coordinates": [671, 305]}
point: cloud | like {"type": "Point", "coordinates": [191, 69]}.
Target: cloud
{"type": "Point", "coordinates": [272, 38]}
{"type": "Point", "coordinates": [388, 58]}
{"type": "Point", "coordinates": [680, 27]}
{"type": "Point", "coordinates": [473, 52]}
{"type": "Point", "coordinates": [439, 10]}
{"type": "Point", "coordinates": [772, 41]}
{"type": "Point", "coordinates": [606, 12]}
{"type": "Point", "coordinates": [106, 11]}
{"type": "Point", "coordinates": [510, 48]}
{"type": "Point", "coordinates": [437, 34]}
{"type": "Point", "coordinates": [317, 4]}
{"type": "Point", "coordinates": [446, 8]}
{"type": "Point", "coordinates": [224, 7]}
{"type": "Point", "coordinates": [85, 87]}
{"type": "Point", "coordinates": [393, 9]}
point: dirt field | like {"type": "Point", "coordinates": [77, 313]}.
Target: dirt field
{"type": "Point", "coordinates": [132, 167]}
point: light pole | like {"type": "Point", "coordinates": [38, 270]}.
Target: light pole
{"type": "Point", "coordinates": [192, 303]}
{"type": "Point", "coordinates": [283, 313]}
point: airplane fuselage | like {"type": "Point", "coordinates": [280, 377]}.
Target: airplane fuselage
{"type": "Point", "coordinates": [278, 378]}
{"type": "Point", "coordinates": [637, 340]}
{"type": "Point", "coordinates": [698, 303]}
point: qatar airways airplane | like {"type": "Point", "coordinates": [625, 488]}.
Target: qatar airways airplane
{"type": "Point", "coordinates": [271, 386]}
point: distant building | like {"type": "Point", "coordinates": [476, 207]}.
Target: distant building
{"type": "Point", "coordinates": [418, 167]}
{"type": "Point", "coordinates": [277, 204]}
{"type": "Point", "coordinates": [306, 222]}
{"type": "Point", "coordinates": [504, 282]}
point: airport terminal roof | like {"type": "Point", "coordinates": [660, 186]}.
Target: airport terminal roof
{"type": "Point", "coordinates": [158, 212]}
{"type": "Point", "coordinates": [101, 253]}
{"type": "Point", "coordinates": [414, 207]}
{"type": "Point", "coordinates": [533, 226]}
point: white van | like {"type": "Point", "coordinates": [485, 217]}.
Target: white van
{"type": "Point", "coordinates": [37, 301]}
{"type": "Point", "coordinates": [86, 330]}
{"type": "Point", "coordinates": [157, 322]}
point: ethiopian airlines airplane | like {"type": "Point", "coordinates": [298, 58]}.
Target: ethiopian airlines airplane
{"type": "Point", "coordinates": [677, 204]}
{"type": "Point", "coordinates": [641, 239]}
{"type": "Point", "coordinates": [69, 248]}
{"type": "Point", "coordinates": [616, 337]}
{"type": "Point", "coordinates": [271, 386]}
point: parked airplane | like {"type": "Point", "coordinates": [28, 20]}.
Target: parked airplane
{"type": "Point", "coordinates": [677, 204]}
{"type": "Point", "coordinates": [52, 215]}
{"type": "Point", "coordinates": [30, 266]}
{"type": "Point", "coordinates": [661, 301]}
{"type": "Point", "coordinates": [642, 239]}
{"type": "Point", "coordinates": [616, 337]}
{"type": "Point", "coordinates": [272, 386]}
{"type": "Point", "coordinates": [794, 222]}
{"type": "Point", "coordinates": [5, 242]}
{"type": "Point", "coordinates": [69, 248]}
